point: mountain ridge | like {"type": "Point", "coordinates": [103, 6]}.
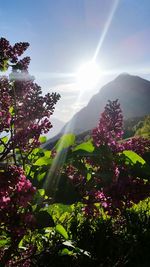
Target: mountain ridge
{"type": "Point", "coordinates": [133, 93]}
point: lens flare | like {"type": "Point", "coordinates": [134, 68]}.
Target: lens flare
{"type": "Point", "coordinates": [88, 75]}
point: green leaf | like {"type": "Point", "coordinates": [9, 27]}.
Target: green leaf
{"type": "Point", "coordinates": [41, 176]}
{"type": "Point", "coordinates": [4, 242]}
{"type": "Point", "coordinates": [4, 139]}
{"type": "Point", "coordinates": [61, 230]}
{"type": "Point", "coordinates": [36, 153]}
{"type": "Point", "coordinates": [88, 177]}
{"type": "Point", "coordinates": [86, 146]}
{"type": "Point", "coordinates": [41, 192]}
{"type": "Point", "coordinates": [1, 149]}
{"type": "Point", "coordinates": [133, 157]}
{"type": "Point", "coordinates": [65, 141]}
{"type": "Point", "coordinates": [75, 250]}
{"type": "Point", "coordinates": [40, 196]}
{"type": "Point", "coordinates": [11, 110]}
{"type": "Point", "coordinates": [59, 211]}
{"type": "Point", "coordinates": [65, 252]}
{"type": "Point", "coordinates": [47, 153]}
{"type": "Point", "coordinates": [43, 161]}
{"type": "Point", "coordinates": [4, 65]}
{"type": "Point", "coordinates": [42, 139]}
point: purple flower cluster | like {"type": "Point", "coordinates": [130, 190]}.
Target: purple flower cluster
{"type": "Point", "coordinates": [9, 54]}
{"type": "Point", "coordinates": [111, 182]}
{"type": "Point", "coordinates": [109, 129]}
{"type": "Point", "coordinates": [139, 145]}
{"type": "Point", "coordinates": [77, 178]}
{"type": "Point", "coordinates": [22, 64]}
{"type": "Point", "coordinates": [126, 191]}
{"type": "Point", "coordinates": [90, 210]}
{"type": "Point", "coordinates": [25, 112]}
{"type": "Point", "coordinates": [16, 192]}
{"type": "Point", "coordinates": [94, 196]}
{"type": "Point", "coordinates": [23, 258]}
{"type": "Point", "coordinates": [32, 116]}
{"type": "Point", "coordinates": [5, 103]}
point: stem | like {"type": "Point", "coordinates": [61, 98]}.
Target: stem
{"type": "Point", "coordinates": [13, 130]}
{"type": "Point", "coordinates": [23, 160]}
{"type": "Point", "coordinates": [5, 153]}
{"type": "Point", "coordinates": [6, 150]}
{"type": "Point", "coordinates": [13, 147]}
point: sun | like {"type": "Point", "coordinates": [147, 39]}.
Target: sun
{"type": "Point", "coordinates": [88, 75]}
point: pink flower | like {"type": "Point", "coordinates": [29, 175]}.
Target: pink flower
{"type": "Point", "coordinates": [5, 199]}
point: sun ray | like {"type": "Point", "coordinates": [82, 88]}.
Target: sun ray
{"type": "Point", "coordinates": [53, 176]}
{"type": "Point", "coordinates": [52, 179]}
{"type": "Point", "coordinates": [106, 28]}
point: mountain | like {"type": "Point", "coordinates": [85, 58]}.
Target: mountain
{"type": "Point", "coordinates": [57, 127]}
{"type": "Point", "coordinates": [133, 93]}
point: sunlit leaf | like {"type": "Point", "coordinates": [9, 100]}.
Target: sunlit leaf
{"type": "Point", "coordinates": [41, 176]}
{"type": "Point", "coordinates": [4, 139]}
{"type": "Point", "coordinates": [88, 177]}
{"type": "Point", "coordinates": [65, 252]}
{"type": "Point", "coordinates": [41, 192]}
{"type": "Point", "coordinates": [65, 141]}
{"type": "Point", "coordinates": [86, 146]}
{"type": "Point", "coordinates": [11, 110]}
{"type": "Point", "coordinates": [43, 161]}
{"type": "Point", "coordinates": [61, 230]}
{"type": "Point", "coordinates": [133, 157]}
{"type": "Point", "coordinates": [47, 153]}
{"type": "Point", "coordinates": [4, 242]}
{"type": "Point", "coordinates": [42, 139]}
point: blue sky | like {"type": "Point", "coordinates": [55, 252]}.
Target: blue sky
{"type": "Point", "coordinates": [65, 33]}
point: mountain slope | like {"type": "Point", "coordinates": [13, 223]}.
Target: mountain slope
{"type": "Point", "coordinates": [57, 127]}
{"type": "Point", "coordinates": [133, 93]}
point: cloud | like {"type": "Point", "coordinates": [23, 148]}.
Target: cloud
{"type": "Point", "coordinates": [68, 106]}
{"type": "Point", "coordinates": [67, 88]}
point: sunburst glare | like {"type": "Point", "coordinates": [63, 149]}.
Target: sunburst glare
{"type": "Point", "coordinates": [88, 75]}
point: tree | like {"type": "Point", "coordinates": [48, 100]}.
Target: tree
{"type": "Point", "coordinates": [24, 115]}
{"type": "Point", "coordinates": [144, 129]}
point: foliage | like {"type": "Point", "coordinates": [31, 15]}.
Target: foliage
{"type": "Point", "coordinates": [109, 177]}
{"type": "Point", "coordinates": [131, 125]}
{"type": "Point", "coordinates": [104, 169]}
{"type": "Point", "coordinates": [144, 130]}
{"type": "Point", "coordinates": [24, 116]}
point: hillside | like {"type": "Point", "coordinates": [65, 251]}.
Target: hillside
{"type": "Point", "coordinates": [133, 93]}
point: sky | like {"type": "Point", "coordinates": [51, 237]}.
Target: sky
{"type": "Point", "coordinates": [64, 34]}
